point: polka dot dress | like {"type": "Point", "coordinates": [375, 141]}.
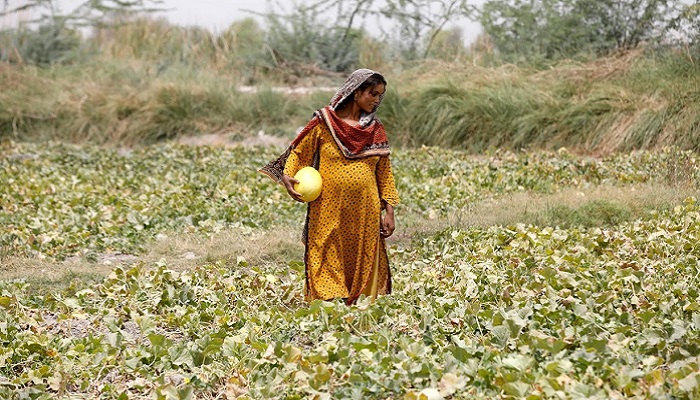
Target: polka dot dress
{"type": "Point", "coordinates": [344, 252]}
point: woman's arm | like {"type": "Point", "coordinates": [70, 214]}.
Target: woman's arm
{"type": "Point", "coordinates": [385, 183]}
{"type": "Point", "coordinates": [388, 195]}
{"type": "Point", "coordinates": [388, 223]}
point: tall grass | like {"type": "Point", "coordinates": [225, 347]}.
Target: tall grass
{"type": "Point", "coordinates": [618, 104]}
{"type": "Point", "coordinates": [130, 104]}
{"type": "Point", "coordinates": [154, 81]}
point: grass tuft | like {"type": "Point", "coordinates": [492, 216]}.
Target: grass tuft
{"type": "Point", "coordinates": [595, 213]}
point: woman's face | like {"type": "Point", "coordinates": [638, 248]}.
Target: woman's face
{"type": "Point", "coordinates": [368, 99]}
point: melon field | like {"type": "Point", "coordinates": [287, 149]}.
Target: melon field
{"type": "Point", "coordinates": [175, 272]}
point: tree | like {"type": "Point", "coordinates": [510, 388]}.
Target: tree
{"type": "Point", "coordinates": [418, 22]}
{"type": "Point", "coordinates": [448, 45]}
{"type": "Point", "coordinates": [686, 26]}
{"type": "Point", "coordinates": [52, 36]}
{"type": "Point", "coordinates": [87, 13]}
{"type": "Point", "coordinates": [624, 25]}
{"type": "Point", "coordinates": [552, 29]}
{"type": "Point", "coordinates": [299, 41]}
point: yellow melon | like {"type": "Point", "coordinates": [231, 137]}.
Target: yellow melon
{"type": "Point", "coordinates": [309, 185]}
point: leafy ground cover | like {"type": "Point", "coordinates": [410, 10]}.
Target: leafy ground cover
{"type": "Point", "coordinates": [561, 311]}
{"type": "Point", "coordinates": [59, 200]}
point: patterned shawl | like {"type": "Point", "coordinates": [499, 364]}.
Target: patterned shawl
{"type": "Point", "coordinates": [365, 140]}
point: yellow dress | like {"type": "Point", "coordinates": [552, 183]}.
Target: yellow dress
{"type": "Point", "coordinates": [345, 255]}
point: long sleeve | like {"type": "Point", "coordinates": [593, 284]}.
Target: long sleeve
{"type": "Point", "coordinates": [385, 182]}
{"type": "Point", "coordinates": [302, 155]}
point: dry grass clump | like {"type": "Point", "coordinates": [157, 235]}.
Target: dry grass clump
{"type": "Point", "coordinates": [630, 101]}
{"type": "Point", "coordinates": [595, 70]}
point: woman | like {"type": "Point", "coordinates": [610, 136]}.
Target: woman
{"type": "Point", "coordinates": [344, 235]}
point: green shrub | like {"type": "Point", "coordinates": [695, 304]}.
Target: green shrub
{"type": "Point", "coordinates": [301, 40]}
{"type": "Point", "coordinates": [48, 44]}
{"type": "Point", "coordinates": [596, 213]}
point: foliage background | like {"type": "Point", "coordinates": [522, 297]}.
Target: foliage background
{"type": "Point", "coordinates": [548, 238]}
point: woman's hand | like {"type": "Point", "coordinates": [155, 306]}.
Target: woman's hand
{"type": "Point", "coordinates": [288, 183]}
{"type": "Point", "coordinates": [388, 225]}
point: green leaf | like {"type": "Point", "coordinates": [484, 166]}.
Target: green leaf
{"type": "Point", "coordinates": [518, 362]}
{"type": "Point", "coordinates": [559, 366]}
{"type": "Point", "coordinates": [518, 389]}
{"type": "Point", "coordinates": [157, 340]}
{"type": "Point", "coordinates": [181, 356]}
{"type": "Point", "coordinates": [501, 334]}
{"type": "Point", "coordinates": [72, 302]}
{"type": "Point", "coordinates": [5, 301]}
